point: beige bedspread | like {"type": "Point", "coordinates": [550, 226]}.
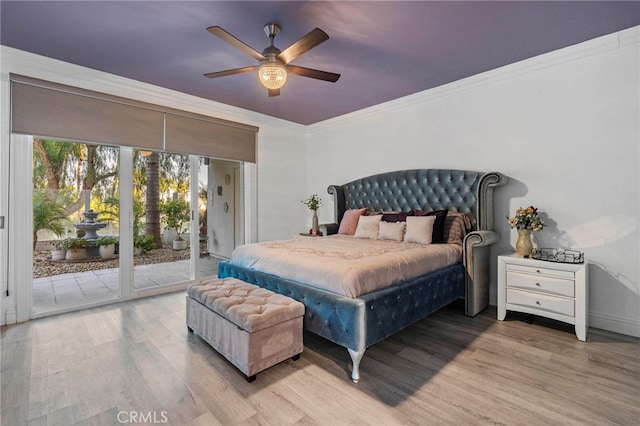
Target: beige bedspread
{"type": "Point", "coordinates": [346, 265]}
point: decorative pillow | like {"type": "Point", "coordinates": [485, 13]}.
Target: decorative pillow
{"type": "Point", "coordinates": [368, 227]}
{"type": "Point", "coordinates": [391, 231]}
{"type": "Point", "coordinates": [349, 221]}
{"type": "Point", "coordinates": [419, 229]}
{"type": "Point", "coordinates": [438, 225]}
{"type": "Point", "coordinates": [456, 227]}
{"type": "Point", "coordinates": [396, 217]}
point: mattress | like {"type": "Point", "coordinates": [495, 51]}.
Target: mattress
{"type": "Point", "coordinates": [345, 265]}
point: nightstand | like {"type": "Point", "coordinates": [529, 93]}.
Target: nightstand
{"type": "Point", "coordinates": [554, 290]}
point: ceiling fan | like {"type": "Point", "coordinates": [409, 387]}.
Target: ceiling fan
{"type": "Point", "coordinates": [274, 63]}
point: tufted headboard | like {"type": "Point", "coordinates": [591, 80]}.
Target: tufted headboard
{"type": "Point", "coordinates": [434, 189]}
{"type": "Point", "coordinates": [427, 189]}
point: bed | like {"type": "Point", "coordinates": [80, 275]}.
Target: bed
{"type": "Point", "coordinates": [358, 321]}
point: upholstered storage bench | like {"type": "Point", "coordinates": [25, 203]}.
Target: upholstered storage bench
{"type": "Point", "coordinates": [254, 328]}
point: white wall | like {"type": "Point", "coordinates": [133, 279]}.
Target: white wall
{"type": "Point", "coordinates": [564, 128]}
{"type": "Point", "coordinates": [282, 183]}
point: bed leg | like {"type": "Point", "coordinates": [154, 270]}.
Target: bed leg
{"type": "Point", "coordinates": [356, 356]}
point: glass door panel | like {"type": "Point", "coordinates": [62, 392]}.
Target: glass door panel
{"type": "Point", "coordinates": [75, 228]}
{"type": "Point", "coordinates": [161, 219]}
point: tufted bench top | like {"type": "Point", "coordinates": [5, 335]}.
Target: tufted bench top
{"type": "Point", "coordinates": [246, 305]}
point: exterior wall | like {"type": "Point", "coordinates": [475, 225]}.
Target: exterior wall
{"type": "Point", "coordinates": [564, 128]}
{"type": "Point", "coordinates": [221, 208]}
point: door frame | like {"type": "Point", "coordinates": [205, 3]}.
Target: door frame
{"type": "Point", "coordinates": [20, 231]}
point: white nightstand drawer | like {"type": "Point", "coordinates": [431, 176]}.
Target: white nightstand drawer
{"type": "Point", "coordinates": [542, 283]}
{"type": "Point", "coordinates": [540, 271]}
{"type": "Point", "coordinates": [541, 301]}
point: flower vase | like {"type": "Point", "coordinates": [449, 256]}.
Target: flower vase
{"type": "Point", "coordinates": [314, 223]}
{"type": "Point", "coordinates": [524, 245]}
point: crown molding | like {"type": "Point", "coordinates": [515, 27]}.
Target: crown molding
{"type": "Point", "coordinates": [596, 46]}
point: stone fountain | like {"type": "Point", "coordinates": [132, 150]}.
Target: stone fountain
{"type": "Point", "coordinates": [90, 227]}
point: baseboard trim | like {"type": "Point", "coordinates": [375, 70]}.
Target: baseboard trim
{"type": "Point", "coordinates": [10, 317]}
{"type": "Point", "coordinates": [615, 324]}
{"type": "Point", "coordinates": [606, 322]}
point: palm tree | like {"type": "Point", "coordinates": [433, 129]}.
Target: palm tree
{"type": "Point", "coordinates": [60, 165]}
{"type": "Point", "coordinates": [48, 214]}
{"type": "Point", "coordinates": [152, 195]}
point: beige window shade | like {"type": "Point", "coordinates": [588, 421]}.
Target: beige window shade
{"type": "Point", "coordinates": [47, 109]}
{"type": "Point", "coordinates": [188, 134]}
{"type": "Point", "coordinates": [58, 113]}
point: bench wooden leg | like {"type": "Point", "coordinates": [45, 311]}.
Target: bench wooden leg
{"type": "Point", "coordinates": [250, 378]}
{"type": "Point", "coordinates": [295, 357]}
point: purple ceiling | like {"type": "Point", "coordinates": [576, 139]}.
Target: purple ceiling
{"type": "Point", "coordinates": [383, 50]}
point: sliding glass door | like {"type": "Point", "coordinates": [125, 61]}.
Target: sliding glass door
{"type": "Point", "coordinates": [75, 195]}
{"type": "Point", "coordinates": [161, 220]}
{"type": "Point", "coordinates": [184, 208]}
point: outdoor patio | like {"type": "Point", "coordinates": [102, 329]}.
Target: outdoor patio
{"type": "Point", "coordinates": [50, 292]}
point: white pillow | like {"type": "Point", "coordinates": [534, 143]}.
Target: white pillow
{"type": "Point", "coordinates": [419, 229]}
{"type": "Point", "coordinates": [391, 231]}
{"type": "Point", "coordinates": [368, 227]}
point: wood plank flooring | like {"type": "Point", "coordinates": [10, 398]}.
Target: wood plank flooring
{"type": "Point", "coordinates": [135, 363]}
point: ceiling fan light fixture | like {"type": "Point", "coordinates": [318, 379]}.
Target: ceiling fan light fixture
{"type": "Point", "coordinates": [272, 75]}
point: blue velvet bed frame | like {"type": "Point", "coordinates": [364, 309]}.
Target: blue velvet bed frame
{"type": "Point", "coordinates": [359, 323]}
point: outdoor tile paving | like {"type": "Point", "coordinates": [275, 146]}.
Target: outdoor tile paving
{"type": "Point", "coordinates": [49, 292]}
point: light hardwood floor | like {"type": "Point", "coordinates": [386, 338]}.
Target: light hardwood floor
{"type": "Point", "coordinates": [135, 361]}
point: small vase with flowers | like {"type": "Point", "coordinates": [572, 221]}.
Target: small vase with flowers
{"type": "Point", "coordinates": [313, 203]}
{"type": "Point", "coordinates": [526, 221]}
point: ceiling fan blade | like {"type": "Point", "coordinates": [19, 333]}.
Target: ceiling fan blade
{"type": "Point", "coordinates": [311, 73]}
{"type": "Point", "coordinates": [274, 92]}
{"type": "Point", "coordinates": [238, 44]}
{"type": "Point", "coordinates": [306, 42]}
{"type": "Point", "coordinates": [231, 72]}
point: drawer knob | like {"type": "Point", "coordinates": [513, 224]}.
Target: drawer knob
{"type": "Point", "coordinates": [538, 271]}
{"type": "Point", "coordinates": [538, 284]}
{"type": "Point", "coordinates": [537, 302]}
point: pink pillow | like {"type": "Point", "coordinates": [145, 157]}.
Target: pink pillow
{"type": "Point", "coordinates": [349, 221]}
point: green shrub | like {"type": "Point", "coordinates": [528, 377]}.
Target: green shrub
{"type": "Point", "coordinates": [48, 214]}
{"type": "Point", "coordinates": [177, 213]}
{"type": "Point", "coordinates": [144, 242]}
{"type": "Point", "coordinates": [58, 244]}
{"type": "Point", "coordinates": [74, 243]}
{"type": "Point", "coordinates": [106, 240]}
